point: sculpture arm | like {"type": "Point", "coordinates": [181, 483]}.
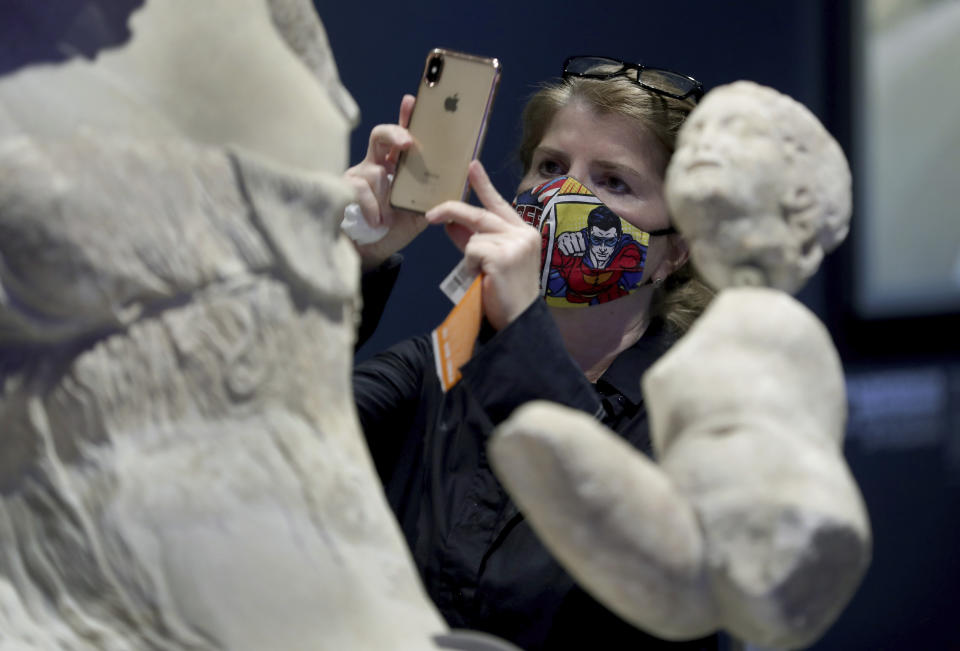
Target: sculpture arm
{"type": "Point", "coordinates": [642, 557]}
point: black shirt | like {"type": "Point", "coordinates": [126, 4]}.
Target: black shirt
{"type": "Point", "coordinates": [479, 559]}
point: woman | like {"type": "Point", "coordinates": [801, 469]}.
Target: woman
{"type": "Point", "coordinates": [611, 126]}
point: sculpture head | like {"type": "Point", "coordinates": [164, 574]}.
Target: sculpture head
{"type": "Point", "coordinates": [758, 187]}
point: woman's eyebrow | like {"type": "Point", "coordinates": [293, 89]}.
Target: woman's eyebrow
{"type": "Point", "coordinates": [617, 167]}
{"type": "Point", "coordinates": [550, 151]}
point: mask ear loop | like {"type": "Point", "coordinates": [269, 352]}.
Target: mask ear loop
{"type": "Point", "coordinates": [658, 282]}
{"type": "Point", "coordinates": [669, 230]}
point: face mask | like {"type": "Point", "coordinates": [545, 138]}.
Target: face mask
{"type": "Point", "coordinates": [590, 255]}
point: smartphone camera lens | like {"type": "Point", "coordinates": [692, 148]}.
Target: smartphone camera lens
{"type": "Point", "coordinates": [434, 68]}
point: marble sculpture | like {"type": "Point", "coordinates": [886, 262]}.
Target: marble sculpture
{"type": "Point", "coordinates": [182, 466]}
{"type": "Point", "coordinates": [749, 519]}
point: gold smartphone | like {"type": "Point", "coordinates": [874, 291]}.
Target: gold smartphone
{"type": "Point", "coordinates": [448, 125]}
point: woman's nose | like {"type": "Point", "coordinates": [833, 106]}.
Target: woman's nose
{"type": "Point", "coordinates": [579, 172]}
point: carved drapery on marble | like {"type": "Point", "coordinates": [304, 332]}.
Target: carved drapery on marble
{"type": "Point", "coordinates": [182, 464]}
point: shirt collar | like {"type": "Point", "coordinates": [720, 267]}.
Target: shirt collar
{"type": "Point", "coordinates": [627, 369]}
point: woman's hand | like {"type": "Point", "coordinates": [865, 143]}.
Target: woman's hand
{"type": "Point", "coordinates": [371, 180]}
{"type": "Point", "coordinates": [498, 243]}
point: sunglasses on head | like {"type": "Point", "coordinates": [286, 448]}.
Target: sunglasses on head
{"type": "Point", "coordinates": [656, 80]}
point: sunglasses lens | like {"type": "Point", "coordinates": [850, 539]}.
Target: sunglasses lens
{"type": "Point", "coordinates": [592, 66]}
{"type": "Point", "coordinates": [669, 82]}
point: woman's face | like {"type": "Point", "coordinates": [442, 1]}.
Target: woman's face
{"type": "Point", "coordinates": [624, 166]}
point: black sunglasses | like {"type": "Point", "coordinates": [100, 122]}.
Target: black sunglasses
{"type": "Point", "coordinates": [657, 80]}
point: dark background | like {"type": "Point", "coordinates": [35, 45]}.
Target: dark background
{"type": "Point", "coordinates": [903, 374]}
{"type": "Point", "coordinates": [903, 440]}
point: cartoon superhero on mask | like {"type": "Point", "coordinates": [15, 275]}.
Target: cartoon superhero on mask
{"type": "Point", "coordinates": [596, 264]}
{"type": "Point", "coordinates": [589, 255]}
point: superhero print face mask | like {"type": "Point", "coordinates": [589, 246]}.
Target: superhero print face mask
{"type": "Point", "coordinates": [589, 254]}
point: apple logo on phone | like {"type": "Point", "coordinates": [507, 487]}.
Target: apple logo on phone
{"type": "Point", "coordinates": [450, 104]}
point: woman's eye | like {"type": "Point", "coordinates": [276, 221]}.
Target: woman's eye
{"type": "Point", "coordinates": [550, 168]}
{"type": "Point", "coordinates": [616, 185]}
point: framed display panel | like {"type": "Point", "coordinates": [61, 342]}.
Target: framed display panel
{"type": "Point", "coordinates": [907, 248]}
{"type": "Point", "coordinates": [891, 97]}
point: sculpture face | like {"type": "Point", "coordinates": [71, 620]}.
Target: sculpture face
{"type": "Point", "coordinates": [732, 150]}
{"type": "Point", "coordinates": [750, 187]}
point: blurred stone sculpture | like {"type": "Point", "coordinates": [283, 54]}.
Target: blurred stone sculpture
{"type": "Point", "coordinates": [749, 520]}
{"type": "Point", "coordinates": [759, 188]}
{"type": "Point", "coordinates": [181, 465]}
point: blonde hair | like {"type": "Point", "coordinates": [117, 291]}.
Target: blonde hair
{"type": "Point", "coordinates": [683, 296]}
